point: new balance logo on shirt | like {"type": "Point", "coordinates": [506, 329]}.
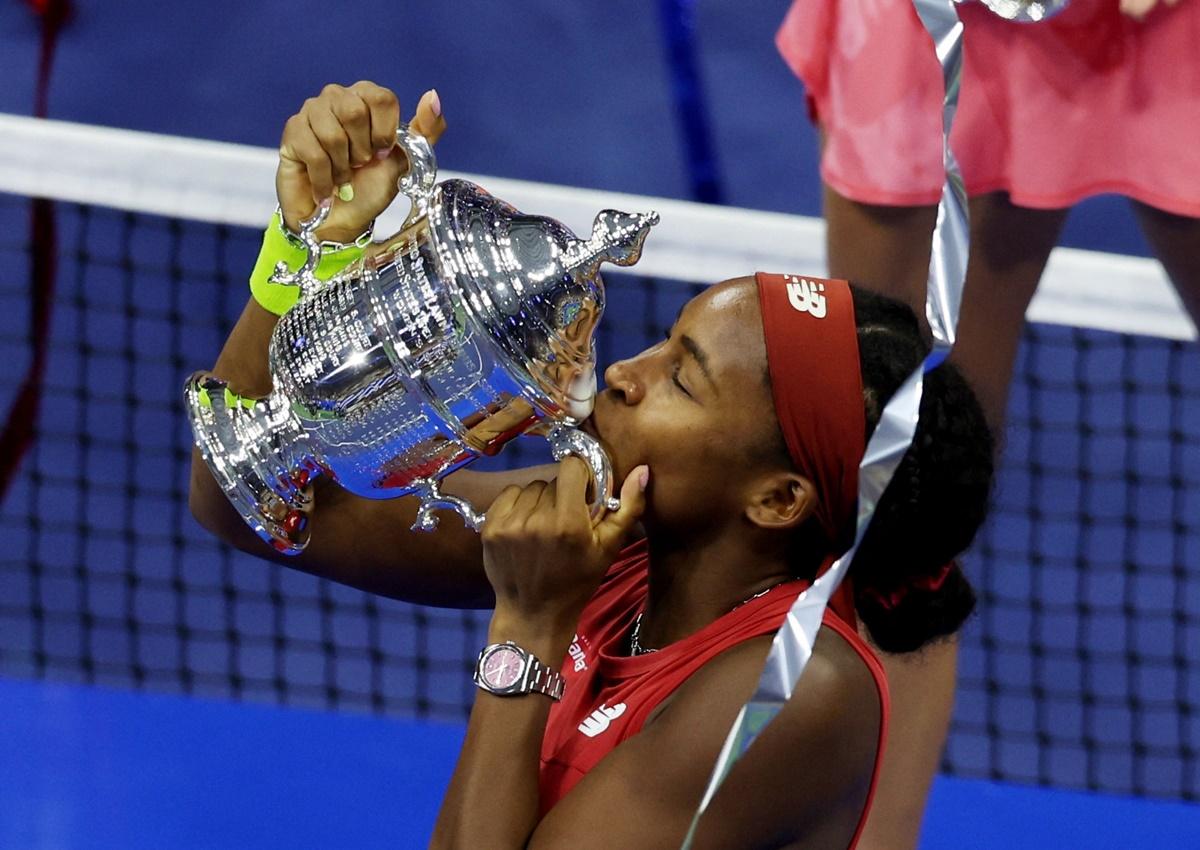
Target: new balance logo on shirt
{"type": "Point", "coordinates": [805, 296]}
{"type": "Point", "coordinates": [599, 719]}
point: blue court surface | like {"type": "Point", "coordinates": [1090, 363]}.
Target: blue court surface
{"type": "Point", "coordinates": [84, 767]}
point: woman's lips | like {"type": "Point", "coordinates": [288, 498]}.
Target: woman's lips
{"type": "Point", "coordinates": [591, 427]}
{"type": "Point", "coordinates": [581, 394]}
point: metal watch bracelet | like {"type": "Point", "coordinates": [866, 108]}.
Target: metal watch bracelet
{"type": "Point", "coordinates": [543, 679]}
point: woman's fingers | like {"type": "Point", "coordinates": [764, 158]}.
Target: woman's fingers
{"type": "Point", "coordinates": [343, 143]}
{"type": "Point", "coordinates": [616, 526]}
{"type": "Point", "coordinates": [301, 149]}
{"type": "Point", "coordinates": [383, 112]}
{"type": "Point", "coordinates": [501, 508]}
{"type": "Point", "coordinates": [333, 139]}
{"type": "Point", "coordinates": [570, 494]}
{"type": "Point", "coordinates": [353, 113]}
{"type": "Point", "coordinates": [1137, 9]}
{"type": "Point", "coordinates": [428, 119]}
{"type": "Point", "coordinates": [527, 502]}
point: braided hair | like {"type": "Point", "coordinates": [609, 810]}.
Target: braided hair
{"type": "Point", "coordinates": [908, 589]}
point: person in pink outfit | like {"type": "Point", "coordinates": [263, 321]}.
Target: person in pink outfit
{"type": "Point", "coordinates": [1102, 98]}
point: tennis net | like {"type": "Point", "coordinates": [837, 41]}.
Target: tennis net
{"type": "Point", "coordinates": [1079, 670]}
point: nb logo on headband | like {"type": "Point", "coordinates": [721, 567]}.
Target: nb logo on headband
{"type": "Point", "coordinates": [805, 296]}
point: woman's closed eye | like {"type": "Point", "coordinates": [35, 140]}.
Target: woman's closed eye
{"type": "Point", "coordinates": [675, 370]}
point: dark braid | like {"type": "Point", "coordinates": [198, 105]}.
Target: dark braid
{"type": "Point", "coordinates": [938, 497]}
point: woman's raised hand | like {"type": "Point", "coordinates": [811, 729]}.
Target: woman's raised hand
{"type": "Point", "coordinates": [342, 145]}
{"type": "Point", "coordinates": [543, 553]}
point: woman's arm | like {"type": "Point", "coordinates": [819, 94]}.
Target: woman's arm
{"type": "Point", "coordinates": [544, 558]}
{"type": "Point", "coordinates": [803, 783]}
{"type": "Point", "coordinates": [333, 140]}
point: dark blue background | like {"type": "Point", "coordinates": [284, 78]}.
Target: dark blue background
{"type": "Point", "coordinates": [574, 93]}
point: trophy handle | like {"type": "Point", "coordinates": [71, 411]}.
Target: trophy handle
{"type": "Point", "coordinates": [305, 277]}
{"type": "Point", "coordinates": [565, 440]}
{"type": "Point", "coordinates": [418, 182]}
{"type": "Point", "coordinates": [432, 498]}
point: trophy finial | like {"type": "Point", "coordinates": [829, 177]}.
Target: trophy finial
{"type": "Point", "coordinates": [617, 237]}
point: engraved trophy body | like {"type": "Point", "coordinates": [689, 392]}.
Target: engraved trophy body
{"type": "Point", "coordinates": [471, 326]}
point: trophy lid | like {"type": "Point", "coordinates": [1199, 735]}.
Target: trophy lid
{"type": "Point", "coordinates": [535, 287]}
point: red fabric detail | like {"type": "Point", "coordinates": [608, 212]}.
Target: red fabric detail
{"type": "Point", "coordinates": [816, 381]}
{"type": "Point", "coordinates": [54, 15]}
{"type": "Point", "coordinates": [598, 672]}
{"type": "Point", "coordinates": [1090, 101]}
{"type": "Point", "coordinates": [17, 436]}
{"type": "Point", "coordinates": [927, 583]}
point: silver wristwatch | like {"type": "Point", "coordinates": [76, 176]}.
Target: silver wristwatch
{"type": "Point", "coordinates": [507, 670]}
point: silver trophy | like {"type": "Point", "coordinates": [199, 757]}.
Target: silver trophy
{"type": "Point", "coordinates": [471, 326]}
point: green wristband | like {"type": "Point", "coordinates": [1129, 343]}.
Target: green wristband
{"type": "Point", "coordinates": [231, 399]}
{"type": "Point", "coordinates": [280, 246]}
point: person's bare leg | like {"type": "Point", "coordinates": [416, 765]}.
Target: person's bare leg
{"type": "Point", "coordinates": [885, 249]}
{"type": "Point", "coordinates": [1175, 240]}
{"type": "Point", "coordinates": [922, 689]}
{"type": "Point", "coordinates": [1009, 249]}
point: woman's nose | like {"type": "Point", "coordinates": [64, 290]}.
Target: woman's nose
{"type": "Point", "coordinates": [620, 377]}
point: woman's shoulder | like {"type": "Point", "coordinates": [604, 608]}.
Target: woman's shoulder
{"type": "Point", "coordinates": [841, 665]}
{"type": "Point", "coordinates": [837, 676]}
{"type": "Point", "coordinates": [833, 723]}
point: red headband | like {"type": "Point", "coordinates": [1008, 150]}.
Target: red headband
{"type": "Point", "coordinates": [812, 355]}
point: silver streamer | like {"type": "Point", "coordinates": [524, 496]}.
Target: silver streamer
{"type": "Point", "coordinates": [793, 643]}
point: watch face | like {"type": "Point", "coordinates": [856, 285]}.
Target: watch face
{"type": "Point", "coordinates": [502, 668]}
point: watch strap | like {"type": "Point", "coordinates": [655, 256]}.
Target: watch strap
{"type": "Point", "coordinates": [543, 679]}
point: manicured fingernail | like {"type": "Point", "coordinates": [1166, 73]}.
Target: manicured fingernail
{"type": "Point", "coordinates": [346, 192]}
{"type": "Point", "coordinates": [643, 478]}
{"type": "Point", "coordinates": [383, 154]}
{"type": "Point", "coordinates": [435, 102]}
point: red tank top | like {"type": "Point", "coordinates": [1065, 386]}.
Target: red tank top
{"type": "Point", "coordinates": [609, 694]}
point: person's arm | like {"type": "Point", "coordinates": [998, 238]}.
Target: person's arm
{"type": "Point", "coordinates": [333, 140]}
{"type": "Point", "coordinates": [803, 783]}
{"type": "Point", "coordinates": [805, 780]}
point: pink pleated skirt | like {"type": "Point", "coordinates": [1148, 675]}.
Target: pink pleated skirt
{"type": "Point", "coordinates": [1086, 103]}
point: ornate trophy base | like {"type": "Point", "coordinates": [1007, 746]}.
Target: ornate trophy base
{"type": "Point", "coordinates": [256, 450]}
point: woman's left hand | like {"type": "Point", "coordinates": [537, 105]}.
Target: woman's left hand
{"type": "Point", "coordinates": [543, 553]}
